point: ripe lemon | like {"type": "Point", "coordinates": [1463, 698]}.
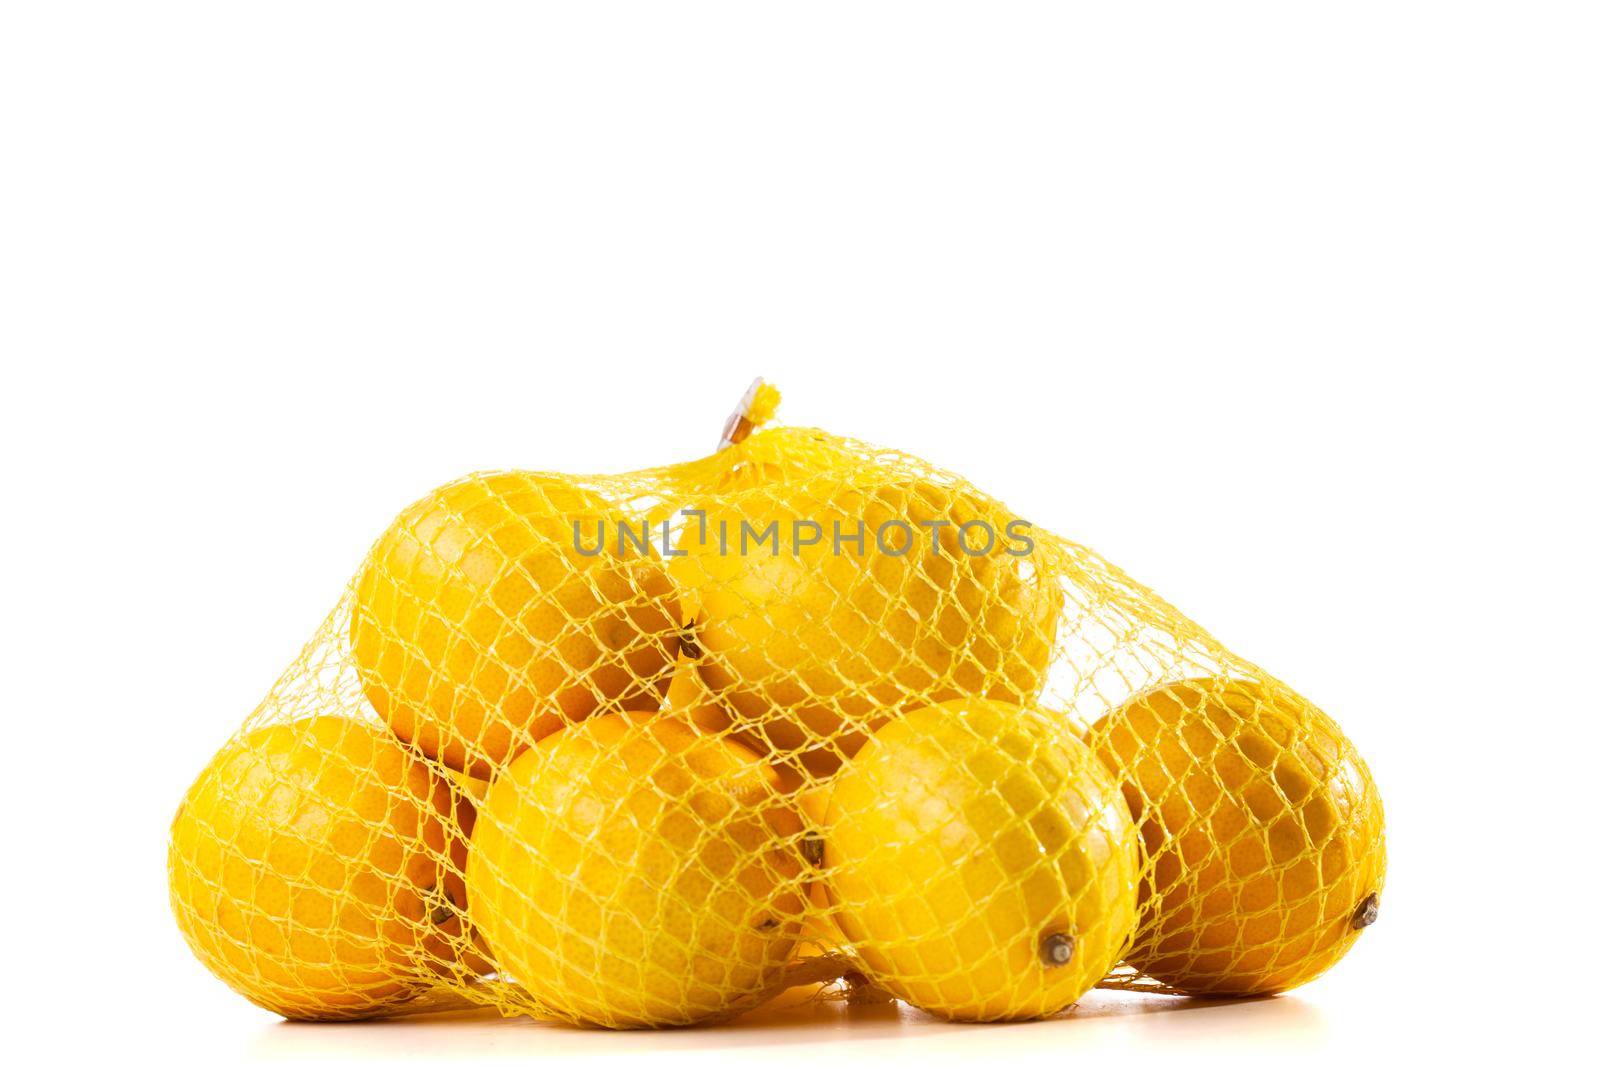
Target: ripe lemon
{"type": "Point", "coordinates": [981, 861]}
{"type": "Point", "coordinates": [756, 454]}
{"type": "Point", "coordinates": [812, 648]}
{"type": "Point", "coordinates": [783, 454]}
{"type": "Point", "coordinates": [688, 698]}
{"type": "Point", "coordinates": [312, 868]}
{"type": "Point", "coordinates": [479, 626]}
{"type": "Point", "coordinates": [631, 872]}
{"type": "Point", "coordinates": [1262, 829]}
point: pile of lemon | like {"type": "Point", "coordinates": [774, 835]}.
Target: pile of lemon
{"type": "Point", "coordinates": [573, 747]}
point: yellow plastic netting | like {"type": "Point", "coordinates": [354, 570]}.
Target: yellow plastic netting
{"type": "Point", "coordinates": [646, 749]}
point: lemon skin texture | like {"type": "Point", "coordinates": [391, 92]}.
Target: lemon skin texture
{"type": "Point", "coordinates": [981, 862]}
{"type": "Point", "coordinates": [1262, 830]}
{"type": "Point", "coordinates": [479, 627]}
{"type": "Point", "coordinates": [311, 868]}
{"type": "Point", "coordinates": [630, 872]}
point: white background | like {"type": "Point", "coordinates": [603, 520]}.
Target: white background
{"type": "Point", "coordinates": [1288, 309]}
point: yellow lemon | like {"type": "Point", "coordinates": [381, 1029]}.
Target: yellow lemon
{"type": "Point", "coordinates": [1263, 834]}
{"type": "Point", "coordinates": [981, 862]}
{"type": "Point", "coordinates": [481, 624]}
{"type": "Point", "coordinates": [783, 454]}
{"type": "Point", "coordinates": [755, 454]}
{"type": "Point", "coordinates": [631, 872]}
{"type": "Point", "coordinates": [813, 645]}
{"type": "Point", "coordinates": [312, 868]}
{"type": "Point", "coordinates": [688, 698]}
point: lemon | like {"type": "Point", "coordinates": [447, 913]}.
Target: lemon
{"type": "Point", "coordinates": [1263, 832]}
{"type": "Point", "coordinates": [480, 626]}
{"type": "Point", "coordinates": [755, 454]}
{"type": "Point", "coordinates": [783, 454]}
{"type": "Point", "coordinates": [813, 648]}
{"type": "Point", "coordinates": [312, 866]}
{"type": "Point", "coordinates": [981, 862]}
{"type": "Point", "coordinates": [688, 698]}
{"type": "Point", "coordinates": [631, 872]}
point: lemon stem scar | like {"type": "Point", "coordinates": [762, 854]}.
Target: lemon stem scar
{"type": "Point", "coordinates": [441, 909]}
{"type": "Point", "coordinates": [811, 848]}
{"type": "Point", "coordinates": [1056, 949]}
{"type": "Point", "coordinates": [1366, 913]}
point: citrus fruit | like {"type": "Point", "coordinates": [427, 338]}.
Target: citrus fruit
{"type": "Point", "coordinates": [688, 698]}
{"type": "Point", "coordinates": [981, 862]}
{"type": "Point", "coordinates": [312, 868]}
{"type": "Point", "coordinates": [782, 454]}
{"type": "Point", "coordinates": [629, 871]}
{"type": "Point", "coordinates": [1262, 829]}
{"type": "Point", "coordinates": [480, 624]}
{"type": "Point", "coordinates": [814, 645]}
{"type": "Point", "coordinates": [756, 454]}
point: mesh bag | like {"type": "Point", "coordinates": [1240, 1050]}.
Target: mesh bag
{"type": "Point", "coordinates": [647, 749]}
